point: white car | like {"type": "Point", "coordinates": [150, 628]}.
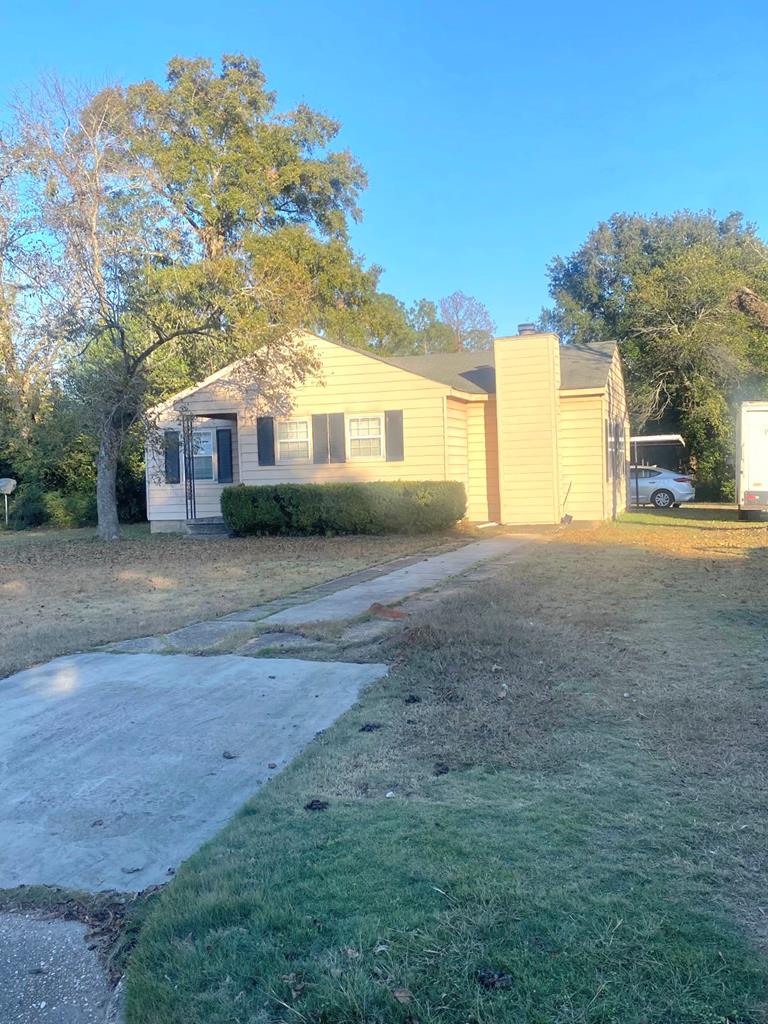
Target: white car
{"type": "Point", "coordinates": [662, 488]}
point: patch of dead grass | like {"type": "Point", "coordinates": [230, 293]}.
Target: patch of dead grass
{"type": "Point", "coordinates": [566, 786]}
{"type": "Point", "coordinates": [70, 592]}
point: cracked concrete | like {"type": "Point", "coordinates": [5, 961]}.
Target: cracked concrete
{"type": "Point", "coordinates": [397, 585]}
{"type": "Point", "coordinates": [117, 767]}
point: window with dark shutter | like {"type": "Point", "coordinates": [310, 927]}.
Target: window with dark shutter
{"type": "Point", "coordinates": [337, 442]}
{"type": "Point", "coordinates": [393, 420]}
{"type": "Point", "coordinates": [171, 448]}
{"type": "Point", "coordinates": [265, 439]}
{"type": "Point", "coordinates": [224, 454]}
{"type": "Point", "coordinates": [329, 443]}
{"type": "Point", "coordinates": [320, 448]}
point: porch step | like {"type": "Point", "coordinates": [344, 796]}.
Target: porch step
{"type": "Point", "coordinates": [213, 526]}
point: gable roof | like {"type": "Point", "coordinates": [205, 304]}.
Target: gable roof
{"type": "Point", "coordinates": [581, 366]}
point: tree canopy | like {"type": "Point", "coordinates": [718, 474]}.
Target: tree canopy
{"type": "Point", "coordinates": [152, 233]}
{"type": "Point", "coordinates": [674, 291]}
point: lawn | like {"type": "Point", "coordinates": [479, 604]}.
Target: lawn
{"type": "Point", "coordinates": [63, 591]}
{"type": "Point", "coordinates": [558, 813]}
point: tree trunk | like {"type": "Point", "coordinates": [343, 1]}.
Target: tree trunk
{"type": "Point", "coordinates": [106, 485]}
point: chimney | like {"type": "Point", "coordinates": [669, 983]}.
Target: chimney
{"type": "Point", "coordinates": [527, 423]}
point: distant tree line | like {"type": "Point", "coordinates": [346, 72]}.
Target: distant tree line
{"type": "Point", "coordinates": [151, 234]}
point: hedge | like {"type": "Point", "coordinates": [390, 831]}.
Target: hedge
{"type": "Point", "coordinates": [381, 507]}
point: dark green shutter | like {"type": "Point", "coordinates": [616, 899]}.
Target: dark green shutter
{"type": "Point", "coordinates": [337, 441]}
{"type": "Point", "coordinates": [224, 454]}
{"type": "Point", "coordinates": [393, 424]}
{"type": "Point", "coordinates": [265, 439]}
{"type": "Point", "coordinates": [320, 439]}
{"type": "Point", "coordinates": [171, 446]}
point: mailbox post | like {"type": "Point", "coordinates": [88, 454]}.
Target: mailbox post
{"type": "Point", "coordinates": [7, 486]}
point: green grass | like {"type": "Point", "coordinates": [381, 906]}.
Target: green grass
{"type": "Point", "coordinates": [578, 808]}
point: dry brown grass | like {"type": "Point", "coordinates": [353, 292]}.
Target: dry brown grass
{"type": "Point", "coordinates": [64, 591]}
{"type": "Point", "coordinates": [566, 784]}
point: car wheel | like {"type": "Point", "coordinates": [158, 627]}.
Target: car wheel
{"type": "Point", "coordinates": [662, 498]}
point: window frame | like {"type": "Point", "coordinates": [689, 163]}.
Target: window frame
{"type": "Point", "coordinates": [213, 478]}
{"type": "Point", "coordinates": [381, 437]}
{"type": "Point", "coordinates": [279, 460]}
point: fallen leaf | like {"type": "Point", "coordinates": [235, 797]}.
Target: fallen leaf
{"type": "Point", "coordinates": [402, 995]}
{"type": "Point", "coordinates": [381, 611]}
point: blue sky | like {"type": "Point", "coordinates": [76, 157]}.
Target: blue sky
{"type": "Point", "coordinates": [495, 135]}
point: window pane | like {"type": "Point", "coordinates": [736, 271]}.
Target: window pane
{"type": "Point", "coordinates": [293, 440]}
{"type": "Point", "coordinates": [203, 467]}
{"type": "Point", "coordinates": [364, 448]}
{"type": "Point", "coordinates": [294, 451]}
{"type": "Point", "coordinates": [365, 434]}
{"type": "Point", "coordinates": [293, 430]}
{"type": "Point", "coordinates": [203, 442]}
{"type": "Point", "coordinates": [365, 426]}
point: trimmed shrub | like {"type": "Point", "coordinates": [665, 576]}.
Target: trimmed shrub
{"type": "Point", "coordinates": [400, 506]}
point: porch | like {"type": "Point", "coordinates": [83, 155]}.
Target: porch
{"type": "Point", "coordinates": [200, 458]}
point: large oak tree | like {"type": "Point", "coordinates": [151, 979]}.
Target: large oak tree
{"type": "Point", "coordinates": [188, 224]}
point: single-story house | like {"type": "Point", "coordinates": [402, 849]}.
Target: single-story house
{"type": "Point", "coordinates": [535, 430]}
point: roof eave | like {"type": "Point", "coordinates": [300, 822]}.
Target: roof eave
{"type": "Point", "coordinates": [576, 392]}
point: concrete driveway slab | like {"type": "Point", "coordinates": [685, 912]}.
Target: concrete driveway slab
{"type": "Point", "coordinates": [48, 973]}
{"type": "Point", "coordinates": [395, 586]}
{"type": "Point", "coordinates": [115, 767]}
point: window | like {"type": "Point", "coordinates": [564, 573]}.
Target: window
{"type": "Point", "coordinates": [202, 446]}
{"type": "Point", "coordinates": [365, 437]}
{"type": "Point", "coordinates": [172, 456]}
{"type": "Point", "coordinates": [293, 441]}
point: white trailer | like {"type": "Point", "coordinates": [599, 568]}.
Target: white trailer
{"type": "Point", "coordinates": [752, 461]}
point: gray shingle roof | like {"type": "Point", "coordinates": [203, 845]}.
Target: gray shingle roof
{"type": "Point", "coordinates": [581, 366]}
{"type": "Point", "coordinates": [465, 371]}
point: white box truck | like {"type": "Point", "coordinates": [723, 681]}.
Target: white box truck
{"type": "Point", "coordinates": [752, 461]}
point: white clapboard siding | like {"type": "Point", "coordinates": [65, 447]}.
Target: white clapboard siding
{"type": "Point", "coordinates": [581, 456]}
{"type": "Point", "coordinates": [482, 468]}
{"type": "Point", "coordinates": [349, 382]}
{"type": "Point", "coordinates": [167, 501]}
{"type": "Point", "coordinates": [527, 403]}
{"type": "Point", "coordinates": [616, 416]}
{"type": "Point", "coordinates": [456, 440]}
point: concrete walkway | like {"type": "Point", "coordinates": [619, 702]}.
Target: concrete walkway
{"type": "Point", "coordinates": [48, 973]}
{"type": "Point", "coordinates": [116, 767]}
{"type": "Point", "coordinates": [333, 600]}
{"type": "Point", "coordinates": [397, 585]}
